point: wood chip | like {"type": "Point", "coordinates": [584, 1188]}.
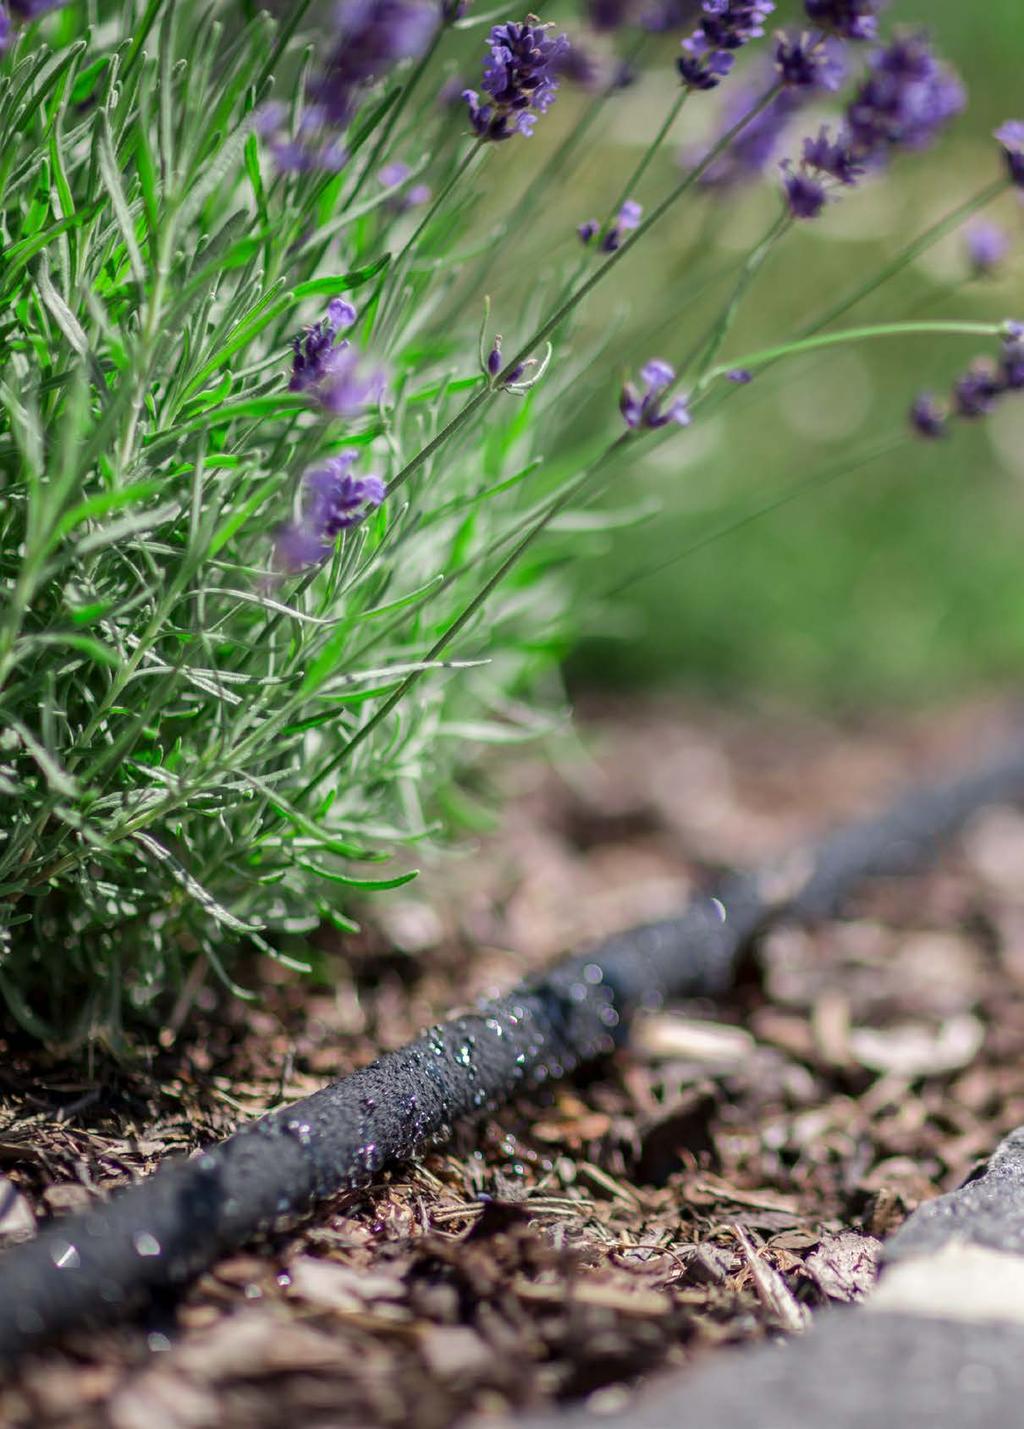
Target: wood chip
{"type": "Point", "coordinates": [773, 1292]}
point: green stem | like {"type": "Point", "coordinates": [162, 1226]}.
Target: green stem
{"type": "Point", "coordinates": [559, 504]}
{"type": "Point", "coordinates": [907, 255]}
{"type": "Point", "coordinates": [755, 261]}
{"type": "Point", "coordinates": [397, 269]}
{"type": "Point", "coordinates": [630, 185]}
{"type": "Point", "coordinates": [952, 327]}
{"type": "Point", "coordinates": [485, 394]}
{"type": "Point", "coordinates": [296, 15]}
{"type": "Point", "coordinates": [790, 494]}
{"type": "Point", "coordinates": [646, 159]}
{"type": "Point", "coordinates": [553, 169]}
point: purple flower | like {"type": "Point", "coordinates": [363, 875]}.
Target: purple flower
{"type": "Point", "coordinates": [580, 67]}
{"type": "Point", "coordinates": [519, 378]}
{"type": "Point", "coordinates": [850, 19]}
{"type": "Point", "coordinates": [24, 10]}
{"type": "Point", "coordinates": [805, 194]}
{"type": "Point", "coordinates": [333, 500]}
{"type": "Point", "coordinates": [978, 390]}
{"type": "Point", "coordinates": [313, 347]}
{"type": "Point", "coordinates": [725, 26]}
{"type": "Point", "coordinates": [588, 231]}
{"type": "Point", "coordinates": [1011, 137]}
{"type": "Point", "coordinates": [987, 245]}
{"type": "Point", "coordinates": [832, 157]}
{"type": "Point", "coordinates": [907, 97]}
{"type": "Point", "coordinates": [822, 158]}
{"type": "Point", "coordinates": [347, 386]}
{"type": "Point", "coordinates": [809, 62]}
{"type": "Point", "coordinates": [928, 417]}
{"type": "Point", "coordinates": [392, 175]}
{"type": "Point", "coordinates": [758, 141]}
{"type": "Point", "coordinates": [740, 375]}
{"type": "Point", "coordinates": [307, 151]}
{"type": "Point", "coordinates": [627, 218]}
{"type": "Point", "coordinates": [331, 370]}
{"type": "Point", "coordinates": [645, 408]}
{"type": "Point", "coordinates": [32, 9]}
{"type": "Point", "coordinates": [520, 80]}
{"type": "Point", "coordinates": [372, 36]}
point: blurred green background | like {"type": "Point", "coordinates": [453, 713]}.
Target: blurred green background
{"type": "Point", "coordinates": [902, 580]}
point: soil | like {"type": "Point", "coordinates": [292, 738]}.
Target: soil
{"type": "Point", "coordinates": [732, 1171]}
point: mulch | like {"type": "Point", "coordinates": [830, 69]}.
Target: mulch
{"type": "Point", "coordinates": [733, 1170]}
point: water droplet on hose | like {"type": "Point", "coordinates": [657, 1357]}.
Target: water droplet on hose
{"type": "Point", "coordinates": [65, 1256]}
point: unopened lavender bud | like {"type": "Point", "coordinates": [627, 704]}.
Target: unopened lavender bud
{"type": "Point", "coordinates": [928, 418]}
{"type": "Point", "coordinates": [494, 359]}
{"type": "Point", "coordinates": [588, 231]}
{"type": "Point", "coordinates": [1011, 137]}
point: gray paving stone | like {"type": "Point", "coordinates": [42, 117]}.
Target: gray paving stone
{"type": "Point", "coordinates": [987, 1211]}
{"type": "Point", "coordinates": [940, 1345]}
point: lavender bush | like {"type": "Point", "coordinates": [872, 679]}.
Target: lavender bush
{"type": "Point", "coordinates": [289, 506]}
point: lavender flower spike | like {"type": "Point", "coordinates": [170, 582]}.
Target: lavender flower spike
{"type": "Point", "coordinates": [725, 26]}
{"type": "Point", "coordinates": [1011, 137]}
{"type": "Point", "coordinates": [333, 500]}
{"type": "Point", "coordinates": [809, 62]}
{"type": "Point", "coordinates": [849, 19]}
{"type": "Point", "coordinates": [645, 409]}
{"type": "Point", "coordinates": [372, 37]}
{"type": "Point", "coordinates": [520, 80]}
{"type": "Point", "coordinates": [312, 349]}
{"type": "Point", "coordinates": [906, 99]}
{"type": "Point", "coordinates": [331, 371]}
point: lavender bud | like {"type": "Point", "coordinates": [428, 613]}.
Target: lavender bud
{"type": "Point", "coordinates": [1011, 137]}
{"type": "Point", "coordinates": [725, 26]}
{"type": "Point", "coordinates": [978, 390]}
{"type": "Point", "coordinates": [588, 231]}
{"type": "Point", "coordinates": [645, 408]}
{"type": "Point", "coordinates": [520, 80]}
{"type": "Point", "coordinates": [928, 418]}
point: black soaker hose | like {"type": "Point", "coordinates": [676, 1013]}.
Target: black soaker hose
{"type": "Point", "coordinates": [148, 1241]}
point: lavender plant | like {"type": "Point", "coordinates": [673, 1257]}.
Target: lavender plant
{"type": "Point", "coordinates": [287, 526]}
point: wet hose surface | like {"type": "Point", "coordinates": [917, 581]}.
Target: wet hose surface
{"type": "Point", "coordinates": [147, 1242]}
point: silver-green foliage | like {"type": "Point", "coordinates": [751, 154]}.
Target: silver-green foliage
{"type": "Point", "coordinates": [193, 750]}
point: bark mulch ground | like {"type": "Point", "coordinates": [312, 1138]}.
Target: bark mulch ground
{"type": "Point", "coordinates": [736, 1168]}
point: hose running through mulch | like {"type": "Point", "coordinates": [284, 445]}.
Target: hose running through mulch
{"type": "Point", "coordinates": [140, 1248]}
